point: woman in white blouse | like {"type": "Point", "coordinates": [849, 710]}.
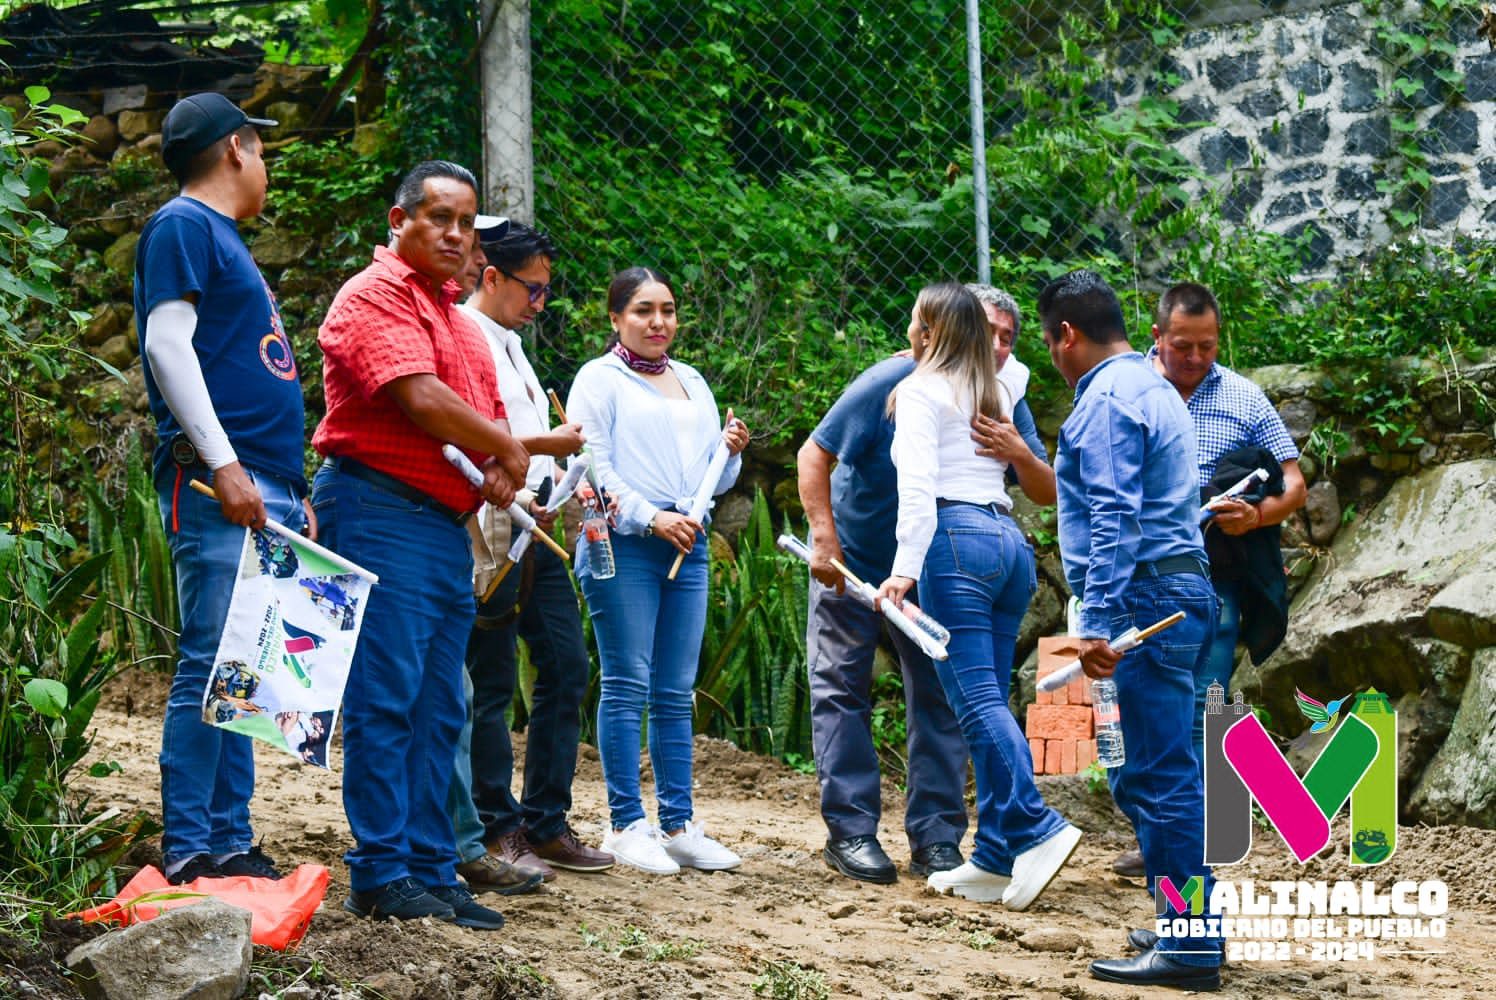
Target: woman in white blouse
{"type": "Point", "coordinates": [975, 570]}
{"type": "Point", "coordinates": [652, 427]}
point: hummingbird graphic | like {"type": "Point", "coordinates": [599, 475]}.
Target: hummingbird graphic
{"type": "Point", "coordinates": [1322, 715]}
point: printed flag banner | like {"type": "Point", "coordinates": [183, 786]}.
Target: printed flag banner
{"type": "Point", "coordinates": [283, 659]}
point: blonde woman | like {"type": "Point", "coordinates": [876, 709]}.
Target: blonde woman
{"type": "Point", "coordinates": [976, 574]}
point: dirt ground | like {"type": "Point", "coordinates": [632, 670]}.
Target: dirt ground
{"type": "Point", "coordinates": [627, 934]}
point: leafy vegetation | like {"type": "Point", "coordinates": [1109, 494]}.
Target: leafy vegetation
{"type": "Point", "coordinates": [51, 664]}
{"type": "Point", "coordinates": [752, 686]}
{"type": "Point", "coordinates": [786, 980]}
{"type": "Point", "coordinates": [630, 941]}
{"type": "Point", "coordinates": [138, 581]}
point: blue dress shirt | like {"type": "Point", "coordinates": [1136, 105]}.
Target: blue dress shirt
{"type": "Point", "coordinates": [1128, 485]}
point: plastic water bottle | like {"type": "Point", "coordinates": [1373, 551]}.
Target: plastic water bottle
{"type": "Point", "coordinates": [1109, 749]}
{"type": "Point", "coordinates": [599, 543]}
{"type": "Point", "coordinates": [927, 625]}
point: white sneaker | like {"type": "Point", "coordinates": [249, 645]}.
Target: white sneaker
{"type": "Point", "coordinates": [692, 848]}
{"type": "Point", "coordinates": [638, 846]}
{"type": "Point", "coordinates": [1036, 867]}
{"type": "Point", "coordinates": [969, 882]}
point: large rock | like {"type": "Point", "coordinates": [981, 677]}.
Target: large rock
{"type": "Point", "coordinates": [200, 951]}
{"type": "Point", "coordinates": [1464, 612]}
{"type": "Point", "coordinates": [276, 248]}
{"type": "Point", "coordinates": [120, 257]}
{"type": "Point", "coordinates": [101, 135]}
{"type": "Point", "coordinates": [135, 125]}
{"type": "Point", "coordinates": [1283, 381]}
{"type": "Point", "coordinates": [1460, 784]}
{"type": "Point", "coordinates": [1322, 508]}
{"type": "Point", "coordinates": [291, 115]}
{"type": "Point", "coordinates": [108, 320]}
{"type": "Point", "coordinates": [1364, 618]}
{"type": "Point", "coordinates": [731, 516]}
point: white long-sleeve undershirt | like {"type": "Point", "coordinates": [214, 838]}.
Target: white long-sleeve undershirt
{"type": "Point", "coordinates": [174, 365]}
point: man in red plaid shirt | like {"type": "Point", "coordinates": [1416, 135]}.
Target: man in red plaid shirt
{"type": "Point", "coordinates": [403, 374]}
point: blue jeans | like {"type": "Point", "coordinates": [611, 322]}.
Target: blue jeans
{"type": "Point", "coordinates": [842, 635]}
{"type": "Point", "coordinates": [552, 629]}
{"type": "Point", "coordinates": [403, 706]}
{"type": "Point", "coordinates": [1159, 788]}
{"type": "Point", "coordinates": [977, 580]}
{"type": "Point", "coordinates": [207, 773]}
{"type": "Point", "coordinates": [1219, 660]}
{"type": "Point", "coordinates": [467, 828]}
{"type": "Point", "coordinates": [648, 632]}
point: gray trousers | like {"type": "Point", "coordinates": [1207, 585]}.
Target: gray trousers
{"type": "Point", "coordinates": [841, 638]}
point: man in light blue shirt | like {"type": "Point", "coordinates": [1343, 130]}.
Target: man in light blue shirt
{"type": "Point", "coordinates": [1131, 546]}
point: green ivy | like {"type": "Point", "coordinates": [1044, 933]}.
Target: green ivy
{"type": "Point", "coordinates": [434, 99]}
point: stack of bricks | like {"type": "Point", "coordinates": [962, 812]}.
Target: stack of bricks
{"type": "Point", "coordinates": [1059, 725]}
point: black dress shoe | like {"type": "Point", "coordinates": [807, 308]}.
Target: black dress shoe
{"type": "Point", "coordinates": [932, 858]}
{"type": "Point", "coordinates": [861, 858]}
{"type": "Point", "coordinates": [1141, 939]}
{"type": "Point", "coordinates": [1152, 969]}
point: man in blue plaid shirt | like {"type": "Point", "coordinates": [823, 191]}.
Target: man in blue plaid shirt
{"type": "Point", "coordinates": [1229, 412]}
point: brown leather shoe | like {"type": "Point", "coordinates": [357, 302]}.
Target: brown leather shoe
{"type": "Point", "coordinates": [492, 874]}
{"type": "Point", "coordinates": [1129, 864]}
{"type": "Point", "coordinates": [515, 849]}
{"type": "Point", "coordinates": [566, 851]}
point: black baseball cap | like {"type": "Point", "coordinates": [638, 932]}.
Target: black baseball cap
{"type": "Point", "coordinates": [197, 122]}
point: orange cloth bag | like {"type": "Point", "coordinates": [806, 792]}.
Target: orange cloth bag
{"type": "Point", "coordinates": [282, 910]}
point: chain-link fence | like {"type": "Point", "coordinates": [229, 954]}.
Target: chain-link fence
{"type": "Point", "coordinates": [802, 167]}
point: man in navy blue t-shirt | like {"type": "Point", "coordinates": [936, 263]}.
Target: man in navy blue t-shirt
{"type": "Point", "coordinates": [223, 387]}
{"type": "Point", "coordinates": [852, 511]}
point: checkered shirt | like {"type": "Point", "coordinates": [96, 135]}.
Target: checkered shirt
{"type": "Point", "coordinates": [1231, 412]}
{"type": "Point", "coordinates": [386, 323]}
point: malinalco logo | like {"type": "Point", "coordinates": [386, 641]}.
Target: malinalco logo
{"type": "Point", "coordinates": [1243, 765]}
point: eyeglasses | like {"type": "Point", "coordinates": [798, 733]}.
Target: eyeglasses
{"type": "Point", "coordinates": [534, 289]}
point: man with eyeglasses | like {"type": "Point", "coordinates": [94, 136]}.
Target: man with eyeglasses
{"type": "Point", "coordinates": [535, 601]}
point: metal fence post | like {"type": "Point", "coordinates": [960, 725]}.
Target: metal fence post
{"type": "Point", "coordinates": [508, 152]}
{"type": "Point", "coordinates": [978, 140]}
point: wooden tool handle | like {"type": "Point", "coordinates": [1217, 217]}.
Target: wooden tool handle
{"type": "Point", "coordinates": [840, 568]}
{"type": "Point", "coordinates": [1160, 625]}
{"type": "Point", "coordinates": [556, 402]}
{"type": "Point", "coordinates": [550, 543]}
{"type": "Point", "coordinates": [494, 583]}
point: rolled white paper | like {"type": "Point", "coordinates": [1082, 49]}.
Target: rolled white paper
{"type": "Point", "coordinates": [1053, 682]}
{"type": "Point", "coordinates": [1236, 490]}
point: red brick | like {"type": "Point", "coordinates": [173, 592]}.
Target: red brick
{"type": "Point", "coordinates": [1067, 756]}
{"type": "Point", "coordinates": [1043, 697]}
{"type": "Point", "coordinates": [1079, 691]}
{"type": "Point", "coordinates": [1052, 756]}
{"type": "Point", "coordinates": [1085, 753]}
{"type": "Point", "coordinates": [1059, 722]}
{"type": "Point", "coordinates": [1060, 697]}
{"type": "Point", "coordinates": [1036, 750]}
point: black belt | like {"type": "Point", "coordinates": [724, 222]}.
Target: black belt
{"type": "Point", "coordinates": [388, 483]}
{"type": "Point", "coordinates": [1170, 565]}
{"type": "Point", "coordinates": [994, 506]}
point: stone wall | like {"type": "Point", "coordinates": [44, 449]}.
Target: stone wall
{"type": "Point", "coordinates": [1299, 136]}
